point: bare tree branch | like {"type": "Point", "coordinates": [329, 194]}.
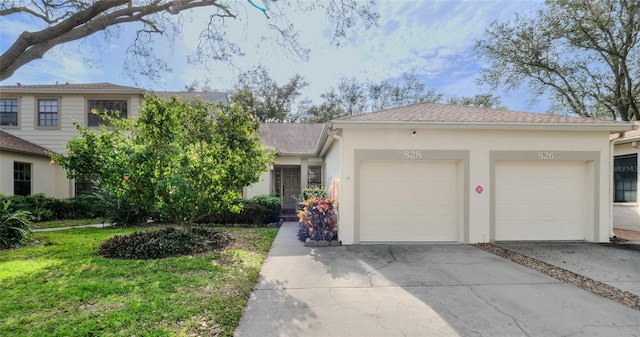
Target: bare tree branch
{"type": "Point", "coordinates": [71, 20]}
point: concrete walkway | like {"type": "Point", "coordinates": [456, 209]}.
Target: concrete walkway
{"type": "Point", "coordinates": [99, 225]}
{"type": "Point", "coordinates": [418, 290]}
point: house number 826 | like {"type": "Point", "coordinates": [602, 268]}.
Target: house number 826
{"type": "Point", "coordinates": [412, 155]}
{"type": "Point", "coordinates": [545, 156]}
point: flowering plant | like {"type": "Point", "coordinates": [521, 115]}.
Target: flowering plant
{"type": "Point", "coordinates": [318, 220]}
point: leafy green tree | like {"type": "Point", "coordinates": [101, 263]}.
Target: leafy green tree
{"type": "Point", "coordinates": [58, 22]}
{"type": "Point", "coordinates": [180, 159]}
{"type": "Point", "coordinates": [353, 97]}
{"type": "Point", "coordinates": [479, 100]}
{"type": "Point", "coordinates": [583, 53]}
{"type": "Point", "coordinates": [267, 100]}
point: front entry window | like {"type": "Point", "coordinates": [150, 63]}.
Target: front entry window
{"type": "Point", "coordinates": [314, 177]}
{"type": "Point", "coordinates": [625, 171]}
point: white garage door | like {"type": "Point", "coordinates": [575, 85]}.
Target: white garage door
{"type": "Point", "coordinates": [409, 201]}
{"type": "Point", "coordinates": [542, 200]}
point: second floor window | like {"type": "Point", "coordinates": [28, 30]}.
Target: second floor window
{"type": "Point", "coordinates": [8, 112]}
{"type": "Point", "coordinates": [47, 112]}
{"type": "Point", "coordinates": [114, 107]}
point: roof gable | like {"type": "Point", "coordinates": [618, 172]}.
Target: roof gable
{"type": "Point", "coordinates": [9, 142]}
{"type": "Point", "coordinates": [291, 138]}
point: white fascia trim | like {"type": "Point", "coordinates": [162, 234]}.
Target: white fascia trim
{"type": "Point", "coordinates": [611, 128]}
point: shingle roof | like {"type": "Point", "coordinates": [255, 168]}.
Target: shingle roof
{"type": "Point", "coordinates": [13, 143]}
{"type": "Point", "coordinates": [291, 138]}
{"type": "Point", "coordinates": [447, 113]}
{"type": "Point", "coordinates": [215, 97]}
{"type": "Point", "coordinates": [71, 87]}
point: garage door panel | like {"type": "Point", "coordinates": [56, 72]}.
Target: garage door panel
{"type": "Point", "coordinates": [408, 201]}
{"type": "Point", "coordinates": [541, 200]}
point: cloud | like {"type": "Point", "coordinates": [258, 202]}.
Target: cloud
{"type": "Point", "coordinates": [434, 38]}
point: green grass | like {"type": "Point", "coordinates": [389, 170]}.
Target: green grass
{"type": "Point", "coordinates": [62, 288]}
{"type": "Point", "coordinates": [65, 223]}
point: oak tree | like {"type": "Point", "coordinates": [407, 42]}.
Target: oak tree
{"type": "Point", "coordinates": [583, 53]}
{"type": "Point", "coordinates": [59, 22]}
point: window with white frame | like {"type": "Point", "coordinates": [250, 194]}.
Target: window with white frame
{"type": "Point", "coordinates": [21, 178]}
{"type": "Point", "coordinates": [48, 112]}
{"type": "Point", "coordinates": [96, 107]}
{"type": "Point", "coordinates": [625, 175]}
{"type": "Point", "coordinates": [8, 112]}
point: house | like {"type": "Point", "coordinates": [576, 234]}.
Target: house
{"type": "Point", "coordinates": [441, 173]}
{"type": "Point", "coordinates": [626, 212]}
{"type": "Point", "coordinates": [39, 118]}
{"type": "Point", "coordinates": [421, 173]}
{"type": "Point", "coordinates": [298, 163]}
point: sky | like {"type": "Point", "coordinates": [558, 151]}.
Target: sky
{"type": "Point", "coordinates": [433, 38]}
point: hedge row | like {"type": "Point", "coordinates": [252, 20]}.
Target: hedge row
{"type": "Point", "coordinates": [43, 208]}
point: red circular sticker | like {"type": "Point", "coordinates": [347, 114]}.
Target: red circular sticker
{"type": "Point", "coordinates": [479, 189]}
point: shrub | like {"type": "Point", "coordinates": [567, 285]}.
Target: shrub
{"type": "Point", "coordinates": [272, 206]}
{"type": "Point", "coordinates": [15, 226]}
{"type": "Point", "coordinates": [318, 220]}
{"type": "Point", "coordinates": [162, 243]}
{"type": "Point", "coordinates": [318, 193]}
{"type": "Point", "coordinates": [86, 206]}
{"type": "Point", "coordinates": [43, 208]}
{"type": "Point", "coordinates": [259, 210]}
{"type": "Point", "coordinates": [118, 210]}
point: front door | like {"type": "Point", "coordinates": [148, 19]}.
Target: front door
{"type": "Point", "coordinates": [289, 186]}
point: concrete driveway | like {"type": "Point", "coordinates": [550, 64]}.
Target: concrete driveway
{"type": "Point", "coordinates": [418, 290]}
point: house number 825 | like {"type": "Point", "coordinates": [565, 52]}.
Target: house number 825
{"type": "Point", "coordinates": [545, 156]}
{"type": "Point", "coordinates": [412, 155]}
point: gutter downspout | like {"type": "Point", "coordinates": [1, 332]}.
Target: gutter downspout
{"type": "Point", "coordinates": [612, 235]}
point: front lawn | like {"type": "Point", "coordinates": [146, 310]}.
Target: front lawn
{"type": "Point", "coordinates": [60, 287]}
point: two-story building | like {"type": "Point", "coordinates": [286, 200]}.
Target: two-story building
{"type": "Point", "coordinates": [35, 119]}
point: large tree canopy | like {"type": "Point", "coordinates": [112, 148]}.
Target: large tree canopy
{"type": "Point", "coordinates": [58, 22]}
{"type": "Point", "coordinates": [257, 92]}
{"type": "Point", "coordinates": [583, 53]}
{"type": "Point", "coordinates": [179, 159]}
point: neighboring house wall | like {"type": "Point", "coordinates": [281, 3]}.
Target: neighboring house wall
{"type": "Point", "coordinates": [626, 215]}
{"type": "Point", "coordinates": [479, 154]}
{"type": "Point", "coordinates": [46, 179]}
{"type": "Point", "coordinates": [72, 107]}
{"type": "Point", "coordinates": [61, 105]}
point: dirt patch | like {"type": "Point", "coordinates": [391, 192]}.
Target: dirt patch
{"type": "Point", "coordinates": [627, 235]}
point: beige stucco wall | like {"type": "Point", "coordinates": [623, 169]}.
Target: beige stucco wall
{"type": "Point", "coordinates": [479, 143]}
{"type": "Point", "coordinates": [626, 215]}
{"type": "Point", "coordinates": [332, 167]}
{"type": "Point", "coordinates": [46, 179]}
{"type": "Point", "coordinates": [265, 185]}
{"type": "Point", "coordinates": [260, 188]}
